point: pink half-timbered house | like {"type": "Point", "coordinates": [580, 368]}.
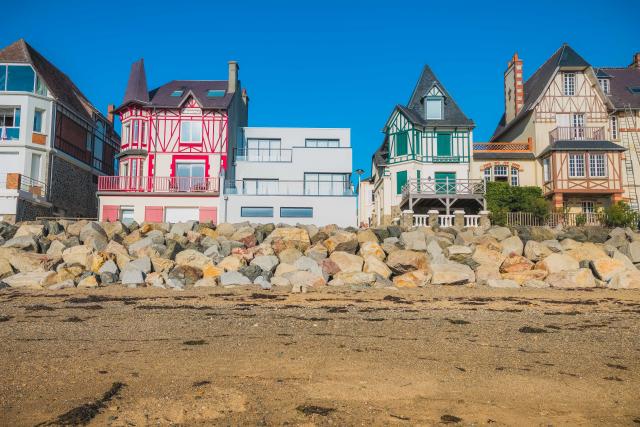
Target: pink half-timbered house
{"type": "Point", "coordinates": [176, 141]}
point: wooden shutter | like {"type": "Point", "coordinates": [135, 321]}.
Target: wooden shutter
{"type": "Point", "coordinates": [153, 213]}
{"type": "Point", "coordinates": [110, 212]}
{"type": "Point", "coordinates": [209, 215]}
{"type": "Point", "coordinates": [401, 180]}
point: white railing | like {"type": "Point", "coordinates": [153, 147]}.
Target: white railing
{"type": "Point", "coordinates": [443, 187]}
{"type": "Point", "coordinates": [471, 221]}
{"type": "Point", "coordinates": [421, 220]}
{"type": "Point", "coordinates": [445, 220]}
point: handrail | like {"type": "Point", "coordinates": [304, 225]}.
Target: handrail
{"type": "Point", "coordinates": [275, 187]}
{"type": "Point", "coordinates": [159, 184]}
{"type": "Point", "coordinates": [446, 186]}
{"type": "Point", "coordinates": [263, 155]}
{"type": "Point", "coordinates": [576, 133]}
{"type": "Point", "coordinates": [513, 146]}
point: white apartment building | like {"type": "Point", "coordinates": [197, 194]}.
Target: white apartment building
{"type": "Point", "coordinates": [292, 176]}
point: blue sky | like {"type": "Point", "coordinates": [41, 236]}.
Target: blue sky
{"type": "Point", "coordinates": [323, 64]}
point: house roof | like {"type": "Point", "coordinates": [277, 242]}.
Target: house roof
{"type": "Point", "coordinates": [563, 58]}
{"type": "Point", "coordinates": [583, 146]}
{"type": "Point", "coordinates": [161, 97]}
{"type": "Point", "coordinates": [59, 84]}
{"type": "Point", "coordinates": [621, 79]}
{"type": "Point", "coordinates": [414, 110]}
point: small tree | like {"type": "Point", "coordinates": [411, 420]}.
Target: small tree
{"type": "Point", "coordinates": [503, 198]}
{"type": "Point", "coordinates": [620, 215]}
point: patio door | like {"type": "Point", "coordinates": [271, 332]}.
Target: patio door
{"type": "Point", "coordinates": [190, 175]}
{"type": "Point", "coordinates": [445, 182]}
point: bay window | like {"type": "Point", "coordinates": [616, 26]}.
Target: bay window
{"type": "Point", "coordinates": [10, 123]}
{"type": "Point", "coordinates": [576, 165]}
{"type": "Point", "coordinates": [597, 165]}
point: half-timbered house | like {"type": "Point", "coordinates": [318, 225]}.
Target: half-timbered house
{"type": "Point", "coordinates": [423, 162]}
{"type": "Point", "coordinates": [555, 134]}
{"type": "Point", "coordinates": [176, 142]}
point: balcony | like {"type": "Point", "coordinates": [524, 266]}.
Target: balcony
{"type": "Point", "coordinates": [264, 187]}
{"type": "Point", "coordinates": [576, 133]}
{"type": "Point", "coordinates": [504, 147]}
{"type": "Point", "coordinates": [158, 184]}
{"type": "Point", "coordinates": [442, 188]}
{"type": "Point", "coordinates": [16, 181]}
{"type": "Point", "coordinates": [9, 133]}
{"type": "Point", "coordinates": [263, 155]}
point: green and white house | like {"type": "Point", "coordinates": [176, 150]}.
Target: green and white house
{"type": "Point", "coordinates": [423, 162]}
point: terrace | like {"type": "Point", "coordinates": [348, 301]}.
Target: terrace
{"type": "Point", "coordinates": [443, 192]}
{"type": "Point", "coordinates": [576, 133]}
{"type": "Point", "coordinates": [159, 184]}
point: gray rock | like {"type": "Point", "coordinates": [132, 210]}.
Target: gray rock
{"type": "Point", "coordinates": [109, 267]}
{"type": "Point", "coordinates": [143, 264]}
{"type": "Point", "coordinates": [66, 284]}
{"type": "Point", "coordinates": [26, 243]}
{"type": "Point", "coordinates": [140, 244]}
{"type": "Point", "coordinates": [512, 245]}
{"type": "Point", "coordinates": [413, 240]}
{"type": "Point", "coordinates": [174, 283]}
{"type": "Point", "coordinates": [451, 274]}
{"type": "Point", "coordinates": [536, 251]}
{"type": "Point", "coordinates": [262, 282]}
{"type": "Point", "coordinates": [502, 283]}
{"type": "Point", "coordinates": [266, 262]}
{"type": "Point", "coordinates": [305, 263]}
{"type": "Point", "coordinates": [181, 228]}
{"type": "Point", "coordinates": [632, 250]}
{"type": "Point", "coordinates": [251, 272]}
{"type": "Point", "coordinates": [231, 278]}
{"type": "Point", "coordinates": [108, 278]}
{"type": "Point", "coordinates": [499, 233]}
{"type": "Point", "coordinates": [131, 276]}
{"type": "Point", "coordinates": [435, 251]}
{"type": "Point", "coordinates": [156, 236]}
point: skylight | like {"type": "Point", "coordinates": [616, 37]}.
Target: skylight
{"type": "Point", "coordinates": [635, 89]}
{"type": "Point", "coordinates": [177, 93]}
{"type": "Point", "coordinates": [215, 93]}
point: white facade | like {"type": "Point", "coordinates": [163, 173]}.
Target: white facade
{"type": "Point", "coordinates": [365, 202]}
{"type": "Point", "coordinates": [291, 175]}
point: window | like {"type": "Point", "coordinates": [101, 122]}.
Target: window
{"type": "Point", "coordinates": [604, 85]}
{"type": "Point", "coordinates": [322, 143]}
{"type": "Point", "coordinates": [214, 93]}
{"type": "Point", "coordinates": [126, 215]}
{"type": "Point", "coordinates": [41, 89]}
{"type": "Point", "coordinates": [546, 169]}
{"type": "Point", "coordinates": [126, 137]}
{"type": "Point", "coordinates": [588, 207]}
{"type": "Point", "coordinates": [135, 137]}
{"type": "Point", "coordinates": [265, 150]}
{"type": "Point", "coordinates": [20, 78]}
{"type": "Point", "coordinates": [189, 175]}
{"type": "Point", "coordinates": [143, 133]}
{"type": "Point", "coordinates": [578, 126]}
{"type": "Point", "coordinates": [402, 144]}
{"type": "Point", "coordinates": [37, 121]}
{"type": "Point", "coordinates": [326, 184]}
{"type": "Point", "coordinates": [614, 127]}
{"type": "Point", "coordinates": [576, 165]}
{"type": "Point", "coordinates": [500, 173]}
{"type": "Point", "coordinates": [634, 89]}
{"type": "Point", "coordinates": [177, 93]}
{"type": "Point", "coordinates": [190, 132]}
{"type": "Point", "coordinates": [569, 84]}
{"type": "Point", "coordinates": [515, 177]}
{"type": "Point", "coordinates": [433, 107]}
{"type": "Point", "coordinates": [296, 212]}
{"type": "Point", "coordinates": [3, 77]}
{"type": "Point", "coordinates": [401, 181]}
{"type": "Point", "coordinates": [10, 123]}
{"type": "Point", "coordinates": [36, 159]}
{"type": "Point", "coordinates": [260, 186]}
{"type": "Point", "coordinates": [487, 174]}
{"type": "Point", "coordinates": [256, 212]}
{"type": "Point", "coordinates": [597, 165]}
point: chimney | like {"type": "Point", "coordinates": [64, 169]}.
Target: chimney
{"type": "Point", "coordinates": [233, 76]}
{"type": "Point", "coordinates": [636, 61]}
{"type": "Point", "coordinates": [110, 109]}
{"type": "Point", "coordinates": [513, 88]}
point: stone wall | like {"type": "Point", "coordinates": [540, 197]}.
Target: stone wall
{"type": "Point", "coordinates": [29, 211]}
{"type": "Point", "coordinates": [72, 189]}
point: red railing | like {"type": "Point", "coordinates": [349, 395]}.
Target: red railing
{"type": "Point", "coordinates": [159, 184]}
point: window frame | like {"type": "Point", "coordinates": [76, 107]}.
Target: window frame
{"type": "Point", "coordinates": [546, 169]}
{"type": "Point", "coordinates": [613, 123]}
{"type": "Point", "coordinates": [605, 85]}
{"type": "Point", "coordinates": [37, 112]}
{"type": "Point", "coordinates": [576, 166]}
{"type": "Point", "coordinates": [405, 140]}
{"type": "Point", "coordinates": [569, 83]}
{"type": "Point", "coordinates": [588, 206]}
{"type": "Point", "coordinates": [265, 208]}
{"type": "Point", "coordinates": [515, 177]}
{"type": "Point", "coordinates": [192, 124]}
{"type": "Point", "coordinates": [321, 143]}
{"type": "Point", "coordinates": [432, 99]}
{"type": "Point", "coordinates": [283, 215]}
{"type": "Point", "coordinates": [308, 183]}
{"type": "Point", "coordinates": [593, 166]}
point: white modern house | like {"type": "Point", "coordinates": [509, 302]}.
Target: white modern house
{"type": "Point", "coordinates": [291, 175]}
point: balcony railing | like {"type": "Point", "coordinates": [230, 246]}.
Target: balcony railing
{"type": "Point", "coordinates": [501, 147]}
{"type": "Point", "coordinates": [252, 187]}
{"type": "Point", "coordinates": [576, 133]}
{"type": "Point", "coordinates": [9, 133]}
{"type": "Point", "coordinates": [158, 184]}
{"type": "Point", "coordinates": [444, 187]}
{"type": "Point", "coordinates": [263, 155]}
{"type": "Point", "coordinates": [16, 181]}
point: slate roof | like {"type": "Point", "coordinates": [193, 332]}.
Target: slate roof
{"type": "Point", "coordinates": [452, 114]}
{"type": "Point", "coordinates": [59, 84]}
{"type": "Point", "coordinates": [137, 93]}
{"type": "Point", "coordinates": [564, 57]}
{"type": "Point", "coordinates": [620, 82]}
{"type": "Point", "coordinates": [583, 146]}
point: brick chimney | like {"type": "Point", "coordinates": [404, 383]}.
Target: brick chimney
{"type": "Point", "coordinates": [233, 76]}
{"type": "Point", "coordinates": [513, 88]}
{"type": "Point", "coordinates": [635, 63]}
{"type": "Point", "coordinates": [110, 109]}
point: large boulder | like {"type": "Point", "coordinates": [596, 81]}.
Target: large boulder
{"type": "Point", "coordinates": [485, 255]}
{"type": "Point", "coordinates": [318, 252]}
{"type": "Point", "coordinates": [289, 237]}
{"type": "Point", "coordinates": [486, 272]}
{"type": "Point", "coordinates": [371, 249]}
{"type": "Point", "coordinates": [192, 258]}
{"type": "Point", "coordinates": [412, 279]}
{"type": "Point", "coordinates": [579, 278]}
{"type": "Point", "coordinates": [233, 278]}
{"type": "Point", "coordinates": [367, 235]}
{"type": "Point", "coordinates": [246, 236]}
{"type": "Point", "coordinates": [347, 262]}
{"type": "Point", "coordinates": [499, 233]}
{"type": "Point", "coordinates": [556, 263]}
{"type": "Point", "coordinates": [94, 236]}
{"type": "Point", "coordinates": [632, 250]}
{"type": "Point", "coordinates": [289, 255]}
{"type": "Point", "coordinates": [308, 264]}
{"type": "Point", "coordinates": [413, 240]}
{"type": "Point", "coordinates": [26, 243]}
{"type": "Point", "coordinates": [587, 252]}
{"type": "Point", "coordinates": [512, 245]}
{"type": "Point", "coordinates": [522, 277]}
{"type": "Point", "coordinates": [458, 252]}
{"type": "Point", "coordinates": [30, 280]}
{"type": "Point", "coordinates": [451, 274]}
{"type": "Point", "coordinates": [181, 228]}
{"type": "Point", "coordinates": [515, 263]}
{"type": "Point", "coordinates": [342, 241]}
{"type": "Point", "coordinates": [503, 283]}
{"type": "Point", "coordinates": [606, 268]}
{"type": "Point", "coordinates": [403, 261]}
{"type": "Point", "coordinates": [80, 255]}
{"type": "Point", "coordinates": [304, 279]}
{"type": "Point", "coordinates": [628, 279]}
{"type": "Point", "coordinates": [225, 229]}
{"type": "Point", "coordinates": [373, 264]}
{"type": "Point", "coordinates": [266, 262]}
{"type": "Point", "coordinates": [355, 278]}
{"type": "Point", "coordinates": [536, 251]}
{"type": "Point", "coordinates": [32, 230]}
{"type": "Point", "coordinates": [5, 268]}
{"type": "Point", "coordinates": [232, 263]}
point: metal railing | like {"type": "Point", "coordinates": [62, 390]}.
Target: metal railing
{"type": "Point", "coordinates": [159, 184]}
{"type": "Point", "coordinates": [263, 155]}
{"type": "Point", "coordinates": [445, 186]}
{"type": "Point", "coordinates": [9, 133]}
{"type": "Point", "coordinates": [576, 133]}
{"type": "Point", "coordinates": [266, 187]}
{"type": "Point", "coordinates": [16, 181]}
{"type": "Point", "coordinates": [553, 219]}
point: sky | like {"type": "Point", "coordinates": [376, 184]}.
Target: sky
{"type": "Point", "coordinates": [323, 64]}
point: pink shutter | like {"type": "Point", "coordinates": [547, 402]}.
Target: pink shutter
{"type": "Point", "coordinates": [153, 214]}
{"type": "Point", "coordinates": [110, 212]}
{"type": "Point", "coordinates": [209, 215]}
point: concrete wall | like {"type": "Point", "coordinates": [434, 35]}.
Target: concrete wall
{"type": "Point", "coordinates": [138, 203]}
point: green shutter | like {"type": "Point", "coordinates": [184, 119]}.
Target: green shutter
{"type": "Point", "coordinates": [444, 145]}
{"type": "Point", "coordinates": [401, 144]}
{"type": "Point", "coordinates": [418, 175]}
{"type": "Point", "coordinates": [401, 180]}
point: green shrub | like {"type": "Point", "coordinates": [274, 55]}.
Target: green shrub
{"type": "Point", "coordinates": [503, 198]}
{"type": "Point", "coordinates": [620, 215]}
{"type": "Point", "coordinates": [581, 219]}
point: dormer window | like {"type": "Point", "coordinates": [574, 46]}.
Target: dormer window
{"type": "Point", "coordinates": [604, 85]}
{"type": "Point", "coordinates": [177, 93]}
{"type": "Point", "coordinates": [569, 84]}
{"type": "Point", "coordinates": [433, 104]}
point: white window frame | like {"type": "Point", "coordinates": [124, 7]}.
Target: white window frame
{"type": "Point", "coordinates": [515, 177]}
{"type": "Point", "coordinates": [577, 124]}
{"type": "Point", "coordinates": [437, 110]}
{"type": "Point", "coordinates": [604, 85]}
{"type": "Point", "coordinates": [614, 127]}
{"type": "Point", "coordinates": [569, 84]}
{"type": "Point", "coordinates": [500, 174]}
{"type": "Point", "coordinates": [546, 169]}
{"type": "Point", "coordinates": [191, 132]}
{"type": "Point", "coordinates": [597, 165]}
{"type": "Point", "coordinates": [487, 174]}
{"type": "Point", "coordinates": [576, 166]}
{"type": "Point", "coordinates": [42, 117]}
{"type": "Point", "coordinates": [588, 206]}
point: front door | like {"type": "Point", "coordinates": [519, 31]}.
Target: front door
{"type": "Point", "coordinates": [444, 145]}
{"type": "Point", "coordinates": [445, 182]}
